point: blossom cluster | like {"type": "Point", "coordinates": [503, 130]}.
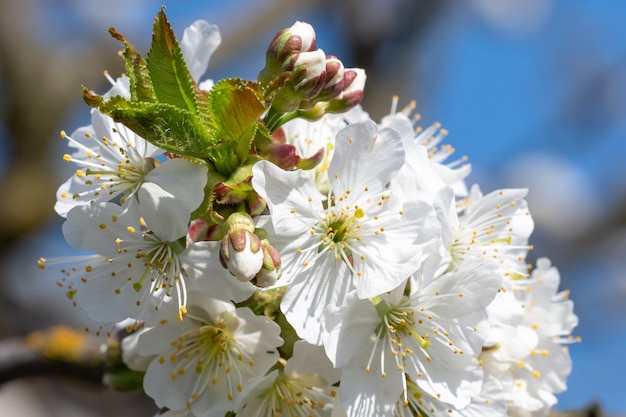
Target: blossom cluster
{"type": "Point", "coordinates": [309, 261]}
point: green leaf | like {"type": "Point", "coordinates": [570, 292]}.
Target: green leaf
{"type": "Point", "coordinates": [168, 127]}
{"type": "Point", "coordinates": [136, 70]}
{"type": "Point", "coordinates": [170, 76]}
{"type": "Point", "coordinates": [236, 106]}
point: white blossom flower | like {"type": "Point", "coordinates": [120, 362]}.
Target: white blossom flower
{"type": "Point", "coordinates": [204, 362]}
{"type": "Point", "coordinates": [433, 336]}
{"type": "Point", "coordinates": [303, 388]}
{"type": "Point", "coordinates": [533, 374]}
{"type": "Point", "coordinates": [114, 162]}
{"type": "Point", "coordinates": [362, 237]}
{"type": "Point", "coordinates": [133, 273]}
{"type": "Point", "coordinates": [494, 227]}
{"type": "Point", "coordinates": [142, 262]}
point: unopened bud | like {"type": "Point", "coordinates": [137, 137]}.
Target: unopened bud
{"type": "Point", "coordinates": [272, 269]}
{"type": "Point", "coordinates": [334, 84]}
{"type": "Point", "coordinates": [306, 68]}
{"type": "Point", "coordinates": [281, 154]}
{"type": "Point", "coordinates": [198, 230]}
{"type": "Point", "coordinates": [240, 250]}
{"type": "Point", "coordinates": [307, 77]}
{"type": "Point", "coordinates": [300, 37]}
{"type": "Point", "coordinates": [352, 94]}
{"type": "Point", "coordinates": [348, 98]}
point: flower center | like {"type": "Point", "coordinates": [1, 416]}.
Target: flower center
{"type": "Point", "coordinates": [338, 228]}
{"type": "Point", "coordinates": [396, 333]}
{"type": "Point", "coordinates": [399, 321]}
{"type": "Point", "coordinates": [211, 353]}
{"type": "Point", "coordinates": [116, 167]}
{"type": "Point", "coordinates": [164, 270]}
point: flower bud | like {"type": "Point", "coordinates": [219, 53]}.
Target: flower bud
{"type": "Point", "coordinates": [281, 154]}
{"type": "Point", "coordinates": [272, 269]}
{"type": "Point", "coordinates": [349, 97]}
{"type": "Point", "coordinates": [240, 250]}
{"type": "Point", "coordinates": [334, 84]}
{"type": "Point", "coordinates": [352, 94]}
{"type": "Point", "coordinates": [198, 230]}
{"type": "Point", "coordinates": [300, 37]}
{"type": "Point", "coordinates": [307, 68]}
{"type": "Point", "coordinates": [307, 77]}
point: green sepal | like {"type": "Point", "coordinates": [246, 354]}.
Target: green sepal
{"type": "Point", "coordinates": [224, 156]}
{"type": "Point", "coordinates": [168, 127]}
{"type": "Point", "coordinates": [92, 99]}
{"type": "Point", "coordinates": [136, 71]}
{"type": "Point", "coordinates": [238, 187]}
{"type": "Point", "coordinates": [213, 178]}
{"type": "Point", "coordinates": [173, 84]}
{"type": "Point", "coordinates": [240, 178]}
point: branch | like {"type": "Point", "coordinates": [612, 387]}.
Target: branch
{"type": "Point", "coordinates": [59, 351]}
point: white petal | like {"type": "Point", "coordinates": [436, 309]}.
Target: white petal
{"type": "Point", "coordinates": [305, 300]}
{"type": "Point", "coordinates": [74, 192]}
{"type": "Point", "coordinates": [183, 179]}
{"type": "Point", "coordinates": [472, 287]}
{"type": "Point", "coordinates": [311, 361]}
{"type": "Point", "coordinates": [365, 157]}
{"type": "Point", "coordinates": [199, 42]}
{"type": "Point", "coordinates": [349, 327]}
{"type": "Point", "coordinates": [164, 214]}
{"type": "Point", "coordinates": [368, 393]}
{"type": "Point", "coordinates": [288, 194]}
{"type": "Point", "coordinates": [107, 295]}
{"type": "Point", "coordinates": [390, 257]}
{"type": "Point", "coordinates": [95, 228]}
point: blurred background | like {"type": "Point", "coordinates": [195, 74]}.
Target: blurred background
{"type": "Point", "coordinates": [532, 91]}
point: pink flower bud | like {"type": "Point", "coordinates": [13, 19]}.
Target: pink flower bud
{"type": "Point", "coordinates": [281, 154]}
{"type": "Point", "coordinates": [240, 250]}
{"type": "Point", "coordinates": [307, 76]}
{"type": "Point", "coordinates": [198, 230]}
{"type": "Point", "coordinates": [333, 86]}
{"type": "Point", "coordinates": [335, 79]}
{"type": "Point", "coordinates": [307, 68]}
{"type": "Point", "coordinates": [306, 33]}
{"type": "Point", "coordinates": [352, 94]}
{"type": "Point", "coordinates": [300, 37]}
